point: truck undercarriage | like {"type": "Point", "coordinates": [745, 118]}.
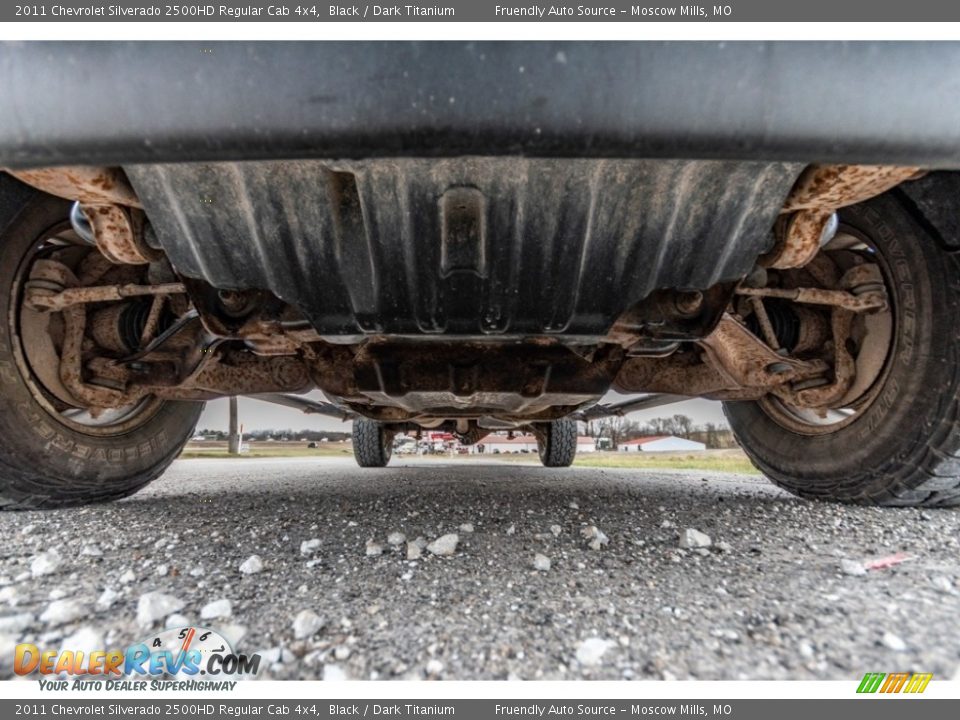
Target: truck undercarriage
{"type": "Point", "coordinates": [463, 301]}
{"type": "Point", "coordinates": [480, 269]}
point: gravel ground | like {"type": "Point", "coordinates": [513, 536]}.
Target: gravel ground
{"type": "Point", "coordinates": [555, 574]}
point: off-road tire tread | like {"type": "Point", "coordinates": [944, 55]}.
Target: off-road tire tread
{"type": "Point", "coordinates": [369, 443]}
{"type": "Point", "coordinates": [557, 444]}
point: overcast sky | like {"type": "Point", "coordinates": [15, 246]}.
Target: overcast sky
{"type": "Point", "coordinates": [258, 415]}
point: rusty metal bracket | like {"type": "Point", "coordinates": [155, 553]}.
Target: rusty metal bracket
{"type": "Point", "coordinates": [844, 370]}
{"type": "Point", "coordinates": [119, 234]}
{"type": "Point", "coordinates": [39, 297]}
{"type": "Point", "coordinates": [748, 362]}
{"type": "Point", "coordinates": [865, 302]}
{"type": "Point", "coordinates": [808, 214]}
{"type": "Point", "coordinates": [88, 184]}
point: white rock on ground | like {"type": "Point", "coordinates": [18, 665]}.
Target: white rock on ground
{"type": "Point", "coordinates": [86, 639]}
{"type": "Point", "coordinates": [944, 584]}
{"type": "Point", "coordinates": [251, 565]}
{"type": "Point", "coordinates": [233, 633]}
{"type": "Point", "coordinates": [308, 547]}
{"type": "Point", "coordinates": [46, 563]}
{"type": "Point", "coordinates": [374, 549]}
{"type": "Point", "coordinates": [396, 538]}
{"type": "Point", "coordinates": [176, 620]}
{"type": "Point", "coordinates": [692, 538]}
{"type": "Point", "coordinates": [107, 598]}
{"type": "Point", "coordinates": [556, 530]}
{"type": "Point", "coordinates": [333, 673]}
{"type": "Point", "coordinates": [61, 612]}
{"type": "Point", "coordinates": [306, 624]}
{"type": "Point", "coordinates": [15, 624]}
{"type": "Point", "coordinates": [852, 567]}
{"type": "Point", "coordinates": [91, 551]}
{"type": "Point", "coordinates": [512, 529]}
{"type": "Point", "coordinates": [153, 606]}
{"type": "Point", "coordinates": [444, 545]}
{"type": "Point", "coordinates": [217, 609]}
{"type": "Point", "coordinates": [594, 536]}
{"type": "Point", "coordinates": [591, 650]}
{"type": "Point", "coordinates": [894, 642]}
{"type": "Point", "coordinates": [466, 528]}
{"type": "Point", "coordinates": [541, 562]}
{"type": "Point", "coordinates": [415, 548]}
{"type": "Point", "coordinates": [434, 667]}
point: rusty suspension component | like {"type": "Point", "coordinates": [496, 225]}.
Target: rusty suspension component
{"type": "Point", "coordinates": [40, 298]}
{"type": "Point", "coordinates": [874, 300]}
{"type": "Point", "coordinates": [736, 365]}
{"type": "Point", "coordinates": [808, 216]}
{"type": "Point", "coordinates": [88, 184]}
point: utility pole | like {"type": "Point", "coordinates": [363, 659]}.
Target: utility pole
{"type": "Point", "coordinates": [233, 442]}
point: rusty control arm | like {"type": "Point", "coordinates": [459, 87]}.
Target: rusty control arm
{"type": "Point", "coordinates": [622, 408]}
{"type": "Point", "coordinates": [41, 298]}
{"type": "Point", "coordinates": [306, 405]}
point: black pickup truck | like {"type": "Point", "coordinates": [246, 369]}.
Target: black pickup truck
{"type": "Point", "coordinates": [481, 237]}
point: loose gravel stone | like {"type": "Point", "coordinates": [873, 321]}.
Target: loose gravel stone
{"type": "Point", "coordinates": [176, 621]}
{"type": "Point", "coordinates": [251, 565]}
{"type": "Point", "coordinates": [221, 608]}
{"type": "Point", "coordinates": [692, 538]}
{"type": "Point", "coordinates": [106, 599]}
{"type": "Point", "coordinates": [374, 549]}
{"type": "Point", "coordinates": [15, 624]}
{"type": "Point", "coordinates": [595, 537]}
{"type": "Point", "coordinates": [852, 567]}
{"type": "Point", "coordinates": [414, 550]}
{"type": "Point", "coordinates": [307, 624]}
{"type": "Point", "coordinates": [894, 642]}
{"type": "Point", "coordinates": [444, 545]}
{"type": "Point", "coordinates": [61, 612]}
{"type": "Point", "coordinates": [541, 562]}
{"type": "Point", "coordinates": [154, 606]}
{"type": "Point", "coordinates": [308, 547]}
{"type": "Point", "coordinates": [466, 528]}
{"type": "Point", "coordinates": [591, 651]}
{"type": "Point", "coordinates": [396, 538]}
{"type": "Point", "coordinates": [45, 563]}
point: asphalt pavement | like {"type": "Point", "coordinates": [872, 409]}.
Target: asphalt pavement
{"type": "Point", "coordinates": [553, 574]}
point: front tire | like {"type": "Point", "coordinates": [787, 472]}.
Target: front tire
{"type": "Point", "coordinates": [48, 459]}
{"type": "Point", "coordinates": [557, 442]}
{"type": "Point", "coordinates": [372, 444]}
{"type": "Point", "coordinates": [903, 448]}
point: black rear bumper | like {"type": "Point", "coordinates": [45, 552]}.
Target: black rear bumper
{"type": "Point", "coordinates": [123, 103]}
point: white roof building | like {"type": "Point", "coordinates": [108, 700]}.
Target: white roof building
{"type": "Point", "coordinates": [661, 443]}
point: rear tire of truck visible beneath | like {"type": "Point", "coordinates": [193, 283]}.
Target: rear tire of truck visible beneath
{"type": "Point", "coordinates": [54, 455]}
{"type": "Point", "coordinates": [557, 442]}
{"type": "Point", "coordinates": [372, 443]}
{"type": "Point", "coordinates": [901, 446]}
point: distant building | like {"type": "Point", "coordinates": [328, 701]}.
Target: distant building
{"type": "Point", "coordinates": [661, 443]}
